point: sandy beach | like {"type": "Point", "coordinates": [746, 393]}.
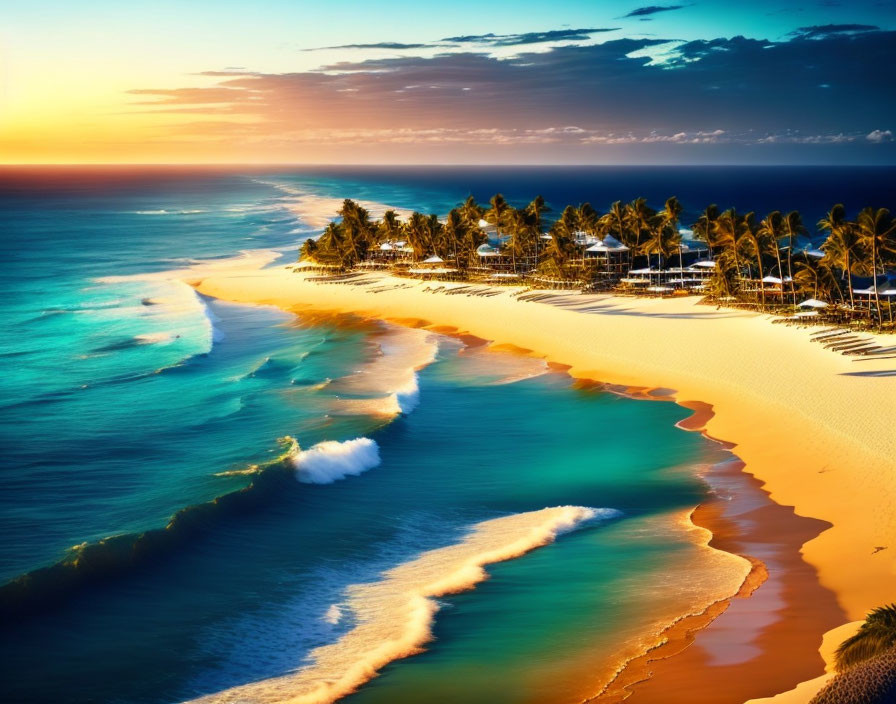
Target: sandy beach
{"type": "Point", "coordinates": [813, 427]}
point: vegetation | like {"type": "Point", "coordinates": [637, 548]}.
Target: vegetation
{"type": "Point", "coordinates": [866, 663]}
{"type": "Point", "coordinates": [746, 248]}
{"type": "Point", "coordinates": [871, 682]}
{"type": "Point", "coordinates": [876, 636]}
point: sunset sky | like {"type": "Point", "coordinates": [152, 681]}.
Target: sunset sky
{"type": "Point", "coordinates": [557, 81]}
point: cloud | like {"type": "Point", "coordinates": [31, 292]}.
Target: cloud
{"type": "Point", "coordinates": [379, 45]}
{"type": "Point", "coordinates": [878, 136]}
{"type": "Point", "coordinates": [827, 31]}
{"type": "Point", "coordinates": [553, 35]}
{"type": "Point", "coordinates": [789, 138]}
{"type": "Point", "coordinates": [699, 137]}
{"type": "Point", "coordinates": [652, 10]}
{"type": "Point", "coordinates": [725, 91]}
{"type": "Point", "coordinates": [491, 39]}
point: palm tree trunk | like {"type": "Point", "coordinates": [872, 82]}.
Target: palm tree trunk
{"type": "Point", "coordinates": [790, 267]}
{"type": "Point", "coordinates": [874, 278]}
{"type": "Point", "coordinates": [852, 300]}
{"type": "Point", "coordinates": [761, 276]}
{"type": "Point", "coordinates": [781, 271]}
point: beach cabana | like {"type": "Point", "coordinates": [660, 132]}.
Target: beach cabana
{"type": "Point", "coordinates": [812, 303]}
{"type": "Point", "coordinates": [492, 259]}
{"type": "Point", "coordinates": [611, 258]}
{"type": "Point", "coordinates": [637, 279]}
{"type": "Point", "coordinates": [393, 251]}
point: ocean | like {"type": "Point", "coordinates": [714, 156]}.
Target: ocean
{"type": "Point", "coordinates": [203, 499]}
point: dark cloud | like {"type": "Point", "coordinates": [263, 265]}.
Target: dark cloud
{"type": "Point", "coordinates": [831, 90]}
{"type": "Point", "coordinates": [377, 45]}
{"type": "Point", "coordinates": [490, 39]}
{"type": "Point", "coordinates": [826, 31]}
{"type": "Point", "coordinates": [553, 35]}
{"type": "Point", "coordinates": [652, 10]}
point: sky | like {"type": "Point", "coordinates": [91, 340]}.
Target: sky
{"type": "Point", "coordinates": [468, 82]}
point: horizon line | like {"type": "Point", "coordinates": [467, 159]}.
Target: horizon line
{"type": "Point", "coordinates": [431, 164]}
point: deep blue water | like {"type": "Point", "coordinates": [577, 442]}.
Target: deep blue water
{"type": "Point", "coordinates": [126, 398]}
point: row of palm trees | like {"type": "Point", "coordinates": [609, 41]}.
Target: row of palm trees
{"type": "Point", "coordinates": [864, 247]}
{"type": "Point", "coordinates": [745, 247]}
{"type": "Point", "coordinates": [520, 233]}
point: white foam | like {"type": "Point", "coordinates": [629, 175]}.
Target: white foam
{"type": "Point", "coordinates": [394, 615]}
{"type": "Point", "coordinates": [150, 338]}
{"type": "Point", "coordinates": [317, 211]}
{"type": "Point", "coordinates": [167, 212]}
{"type": "Point", "coordinates": [200, 268]}
{"type": "Point", "coordinates": [388, 382]}
{"type": "Point", "coordinates": [333, 615]}
{"type": "Point", "coordinates": [329, 461]}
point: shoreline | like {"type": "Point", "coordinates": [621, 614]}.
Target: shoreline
{"type": "Point", "coordinates": [675, 344]}
{"type": "Point", "coordinates": [675, 671]}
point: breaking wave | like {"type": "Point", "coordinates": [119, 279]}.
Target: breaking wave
{"type": "Point", "coordinates": [394, 615]}
{"type": "Point", "coordinates": [330, 461]}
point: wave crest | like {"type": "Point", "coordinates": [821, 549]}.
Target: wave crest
{"type": "Point", "coordinates": [394, 615]}
{"type": "Point", "coordinates": [330, 461]}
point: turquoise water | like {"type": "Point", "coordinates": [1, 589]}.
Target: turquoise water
{"type": "Point", "coordinates": [127, 398]}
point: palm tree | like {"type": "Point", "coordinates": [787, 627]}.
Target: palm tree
{"type": "Point", "coordinates": [663, 240]}
{"type": "Point", "coordinates": [615, 221]}
{"type": "Point", "coordinates": [454, 232]}
{"type": "Point", "coordinates": [771, 229]}
{"type": "Point", "coordinates": [639, 219]}
{"type": "Point", "coordinates": [307, 250]}
{"type": "Point", "coordinates": [471, 212]}
{"type": "Point", "coordinates": [669, 217]}
{"type": "Point", "coordinates": [562, 243]}
{"type": "Point", "coordinates": [589, 224]}
{"type": "Point", "coordinates": [704, 228]}
{"type": "Point", "coordinates": [874, 637]}
{"type": "Point", "coordinates": [497, 216]}
{"type": "Point", "coordinates": [357, 231]}
{"type": "Point", "coordinates": [389, 228]}
{"type": "Point", "coordinates": [435, 236]}
{"type": "Point", "coordinates": [520, 233]}
{"type": "Point", "coordinates": [875, 227]}
{"type": "Point", "coordinates": [816, 278]}
{"type": "Point", "coordinates": [330, 245]}
{"type": "Point", "coordinates": [536, 208]}
{"type": "Point", "coordinates": [842, 246]}
{"type": "Point", "coordinates": [756, 244]}
{"type": "Point", "coordinates": [728, 229]}
{"type": "Point", "coordinates": [418, 234]}
{"type": "Point", "coordinates": [793, 228]}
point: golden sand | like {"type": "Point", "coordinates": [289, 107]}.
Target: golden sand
{"type": "Point", "coordinates": [817, 428]}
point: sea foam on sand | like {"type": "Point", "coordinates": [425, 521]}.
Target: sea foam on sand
{"type": "Point", "coordinates": [387, 384]}
{"type": "Point", "coordinates": [394, 615]}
